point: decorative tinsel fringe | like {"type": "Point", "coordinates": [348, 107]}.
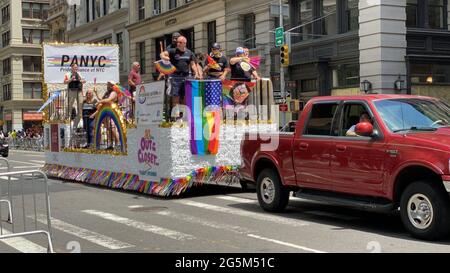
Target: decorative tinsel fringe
{"type": "Point", "coordinates": [166, 187]}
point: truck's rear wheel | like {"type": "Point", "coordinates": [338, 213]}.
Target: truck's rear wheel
{"type": "Point", "coordinates": [272, 195]}
{"type": "Point", "coordinates": [425, 210]}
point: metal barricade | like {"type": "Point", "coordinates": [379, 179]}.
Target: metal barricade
{"type": "Point", "coordinates": [12, 218]}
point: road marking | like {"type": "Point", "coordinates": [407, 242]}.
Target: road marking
{"type": "Point", "coordinates": [212, 224]}
{"type": "Point", "coordinates": [285, 243]}
{"type": "Point", "coordinates": [254, 215]}
{"type": "Point", "coordinates": [135, 206]}
{"type": "Point", "coordinates": [27, 152]}
{"type": "Point", "coordinates": [4, 177]}
{"type": "Point", "coordinates": [142, 226]}
{"type": "Point", "coordinates": [23, 162]}
{"type": "Point", "coordinates": [237, 199]}
{"type": "Point", "coordinates": [18, 167]}
{"type": "Point", "coordinates": [22, 244]}
{"type": "Point", "coordinates": [85, 234]}
{"type": "Point", "coordinates": [38, 161]}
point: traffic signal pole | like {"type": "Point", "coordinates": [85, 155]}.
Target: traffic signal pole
{"type": "Point", "coordinates": [282, 87]}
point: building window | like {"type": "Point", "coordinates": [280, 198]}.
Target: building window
{"type": "Point", "coordinates": [6, 39]}
{"type": "Point", "coordinates": [7, 92]}
{"type": "Point", "coordinates": [328, 13]}
{"type": "Point", "coordinates": [6, 66]}
{"type": "Point", "coordinates": [35, 36]}
{"type": "Point", "coordinates": [436, 13]}
{"type": "Point", "coordinates": [346, 75]}
{"type": "Point", "coordinates": [190, 36]}
{"type": "Point", "coordinates": [352, 14]}
{"type": "Point", "coordinates": [120, 4]}
{"type": "Point", "coordinates": [156, 7]}
{"type": "Point", "coordinates": [211, 28]}
{"type": "Point", "coordinates": [119, 38]}
{"type": "Point", "coordinates": [430, 73]}
{"type": "Point", "coordinates": [74, 25]}
{"type": "Point", "coordinates": [32, 90]}
{"type": "Point", "coordinates": [308, 85]}
{"type": "Point", "coordinates": [249, 30]}
{"type": "Point", "coordinates": [88, 18]}
{"type": "Point", "coordinates": [32, 64]}
{"type": "Point", "coordinates": [141, 56]}
{"type": "Point", "coordinates": [172, 4]}
{"type": "Point", "coordinates": [35, 10]}
{"type": "Point", "coordinates": [427, 14]}
{"type": "Point", "coordinates": [106, 6]}
{"type": "Point", "coordinates": [141, 10]}
{"type": "Point", "coordinates": [412, 16]}
{"type": "Point", "coordinates": [105, 41]}
{"type": "Point", "coordinates": [5, 14]}
{"type": "Point", "coordinates": [306, 18]}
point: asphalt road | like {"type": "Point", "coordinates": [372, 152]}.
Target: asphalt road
{"type": "Point", "coordinates": [208, 219]}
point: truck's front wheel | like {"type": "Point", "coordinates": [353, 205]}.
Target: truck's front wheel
{"type": "Point", "coordinates": [272, 195]}
{"type": "Point", "coordinates": [425, 210]}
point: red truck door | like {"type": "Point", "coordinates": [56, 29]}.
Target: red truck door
{"type": "Point", "coordinates": [312, 148]}
{"type": "Point", "coordinates": [358, 163]}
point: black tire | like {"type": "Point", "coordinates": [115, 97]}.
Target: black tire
{"type": "Point", "coordinates": [280, 193]}
{"type": "Point", "coordinates": [438, 226]}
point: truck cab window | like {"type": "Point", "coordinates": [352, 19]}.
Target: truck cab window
{"type": "Point", "coordinates": [352, 113]}
{"type": "Point", "coordinates": [321, 119]}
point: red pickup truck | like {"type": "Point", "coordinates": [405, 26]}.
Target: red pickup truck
{"type": "Point", "coordinates": [374, 152]}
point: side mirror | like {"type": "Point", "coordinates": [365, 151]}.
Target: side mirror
{"type": "Point", "coordinates": [364, 129]}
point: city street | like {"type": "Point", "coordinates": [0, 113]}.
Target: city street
{"type": "Point", "coordinates": [207, 219]}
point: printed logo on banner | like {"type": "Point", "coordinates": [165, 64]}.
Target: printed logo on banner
{"type": "Point", "coordinates": [148, 155]}
{"type": "Point", "coordinates": [142, 96]}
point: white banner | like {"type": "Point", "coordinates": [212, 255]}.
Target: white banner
{"type": "Point", "coordinates": [94, 61]}
{"type": "Point", "coordinates": [148, 155]}
{"type": "Point", "coordinates": [150, 102]}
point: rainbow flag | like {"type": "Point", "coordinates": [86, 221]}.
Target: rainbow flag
{"type": "Point", "coordinates": [213, 64]}
{"type": "Point", "coordinates": [121, 91]}
{"type": "Point", "coordinates": [165, 67]}
{"type": "Point", "coordinates": [203, 100]}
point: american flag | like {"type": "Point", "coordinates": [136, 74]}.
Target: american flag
{"type": "Point", "coordinates": [213, 91]}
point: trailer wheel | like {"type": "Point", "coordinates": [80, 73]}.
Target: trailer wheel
{"type": "Point", "coordinates": [272, 195]}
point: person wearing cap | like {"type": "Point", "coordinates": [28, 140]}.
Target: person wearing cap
{"type": "Point", "coordinates": [241, 69]}
{"type": "Point", "coordinates": [175, 37]}
{"type": "Point", "coordinates": [219, 69]}
{"type": "Point", "coordinates": [185, 63]}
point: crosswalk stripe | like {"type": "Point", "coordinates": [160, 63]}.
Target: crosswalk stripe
{"type": "Point", "coordinates": [22, 244]}
{"type": "Point", "coordinates": [203, 222]}
{"type": "Point", "coordinates": [254, 215]}
{"type": "Point", "coordinates": [237, 199]}
{"type": "Point", "coordinates": [38, 161]}
{"type": "Point", "coordinates": [285, 243]}
{"type": "Point", "coordinates": [24, 162]}
{"type": "Point", "coordinates": [85, 234]}
{"type": "Point", "coordinates": [142, 226]}
{"type": "Point", "coordinates": [4, 177]}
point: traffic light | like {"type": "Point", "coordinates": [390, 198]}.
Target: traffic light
{"type": "Point", "coordinates": [284, 55]}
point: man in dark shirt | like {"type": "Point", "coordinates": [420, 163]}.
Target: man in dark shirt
{"type": "Point", "coordinates": [184, 60]}
{"type": "Point", "coordinates": [241, 69]}
{"type": "Point", "coordinates": [220, 67]}
{"type": "Point", "coordinates": [74, 82]}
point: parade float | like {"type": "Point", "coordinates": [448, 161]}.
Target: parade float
{"type": "Point", "coordinates": [151, 155]}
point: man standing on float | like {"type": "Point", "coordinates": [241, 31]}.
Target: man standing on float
{"type": "Point", "coordinates": [74, 82]}
{"type": "Point", "coordinates": [183, 59]}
